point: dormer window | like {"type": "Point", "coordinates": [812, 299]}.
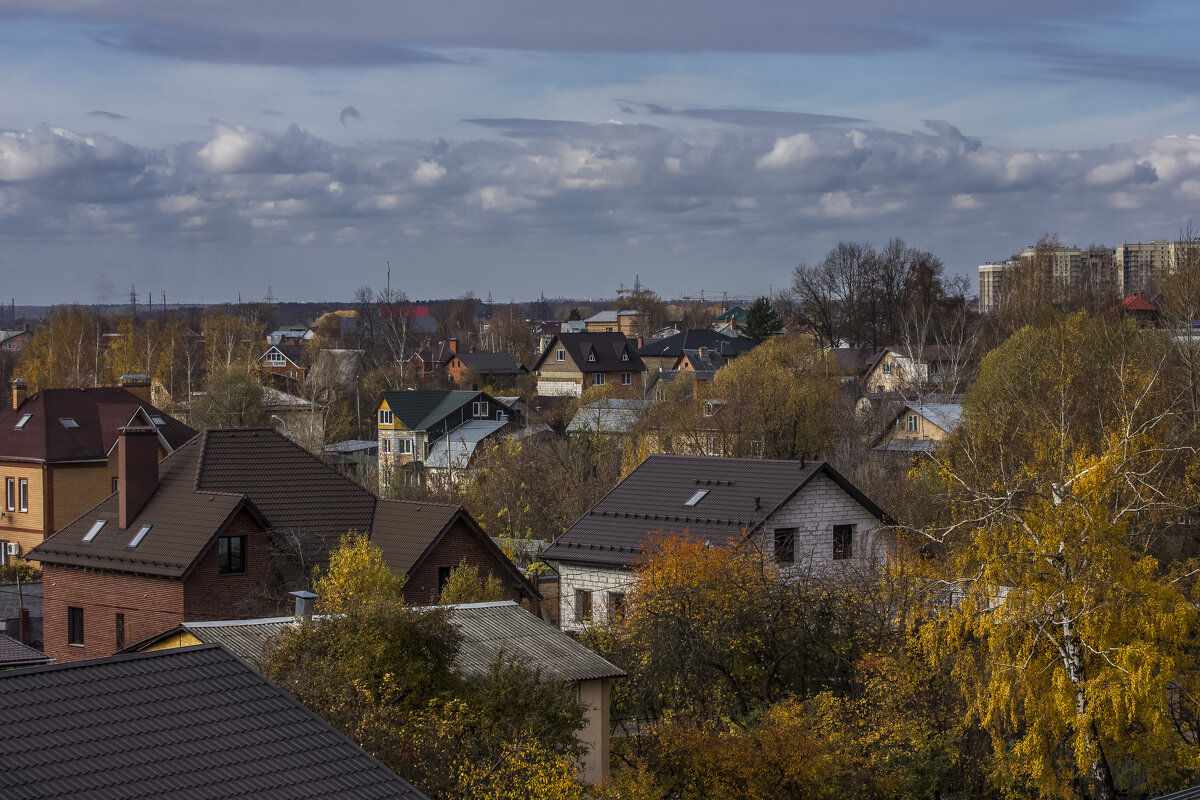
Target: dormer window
{"type": "Point", "coordinates": [385, 416]}
{"type": "Point", "coordinates": [92, 531]}
{"type": "Point", "coordinates": [68, 422]}
{"type": "Point", "coordinates": [697, 497]}
{"type": "Point", "coordinates": [625, 356]}
{"type": "Point", "coordinates": [22, 421]}
{"type": "Point", "coordinates": [591, 356]}
{"type": "Point", "coordinates": [137, 537]}
{"type": "Point", "coordinates": [560, 354]}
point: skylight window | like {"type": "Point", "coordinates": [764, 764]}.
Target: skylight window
{"type": "Point", "coordinates": [92, 531]}
{"type": "Point", "coordinates": [137, 537]}
{"type": "Point", "coordinates": [21, 422]}
{"type": "Point", "coordinates": [697, 497]}
{"type": "Point", "coordinates": [157, 420]}
{"type": "Point", "coordinates": [69, 423]}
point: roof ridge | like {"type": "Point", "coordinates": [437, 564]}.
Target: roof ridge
{"type": "Point", "coordinates": [115, 658]}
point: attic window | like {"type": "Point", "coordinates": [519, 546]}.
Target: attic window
{"type": "Point", "coordinates": [591, 356]}
{"type": "Point", "coordinates": [137, 538]}
{"type": "Point", "coordinates": [697, 497]}
{"type": "Point", "coordinates": [69, 423]}
{"type": "Point", "coordinates": [92, 531]}
{"type": "Point", "coordinates": [157, 420]}
{"type": "Point", "coordinates": [21, 422]}
{"type": "Point", "coordinates": [624, 356]}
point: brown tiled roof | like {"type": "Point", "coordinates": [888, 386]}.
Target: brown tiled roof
{"type": "Point", "coordinates": [99, 412]}
{"type": "Point", "coordinates": [607, 347]}
{"type": "Point", "coordinates": [490, 363]}
{"type": "Point", "coordinates": [651, 499]}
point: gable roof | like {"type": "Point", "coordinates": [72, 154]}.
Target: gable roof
{"type": "Point", "coordinates": [16, 654]}
{"type": "Point", "coordinates": [419, 410]}
{"type": "Point", "coordinates": [185, 723]}
{"type": "Point", "coordinates": [292, 352]}
{"type": "Point", "coordinates": [653, 497]}
{"type": "Point", "coordinates": [929, 353]}
{"type": "Point", "coordinates": [608, 415]}
{"type": "Point", "coordinates": [946, 416]}
{"type": "Point", "coordinates": [693, 338]}
{"type": "Point", "coordinates": [607, 347]}
{"type": "Point", "coordinates": [99, 412]}
{"type": "Point", "coordinates": [490, 363]}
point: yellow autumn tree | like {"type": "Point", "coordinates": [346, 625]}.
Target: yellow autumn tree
{"type": "Point", "coordinates": [1067, 633]}
{"type": "Point", "coordinates": [65, 352]}
{"type": "Point", "coordinates": [356, 572]}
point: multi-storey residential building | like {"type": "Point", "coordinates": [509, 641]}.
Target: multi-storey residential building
{"type": "Point", "coordinates": [991, 285]}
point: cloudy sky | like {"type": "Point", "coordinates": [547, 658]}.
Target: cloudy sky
{"type": "Point", "coordinates": [211, 149]}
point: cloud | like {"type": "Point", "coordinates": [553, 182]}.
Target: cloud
{"type": "Point", "coordinates": [748, 117]}
{"type": "Point", "coordinates": [349, 113]}
{"type": "Point", "coordinates": [106, 115]}
{"type": "Point", "coordinates": [428, 173]}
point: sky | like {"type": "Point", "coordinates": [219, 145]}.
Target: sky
{"type": "Point", "coordinates": [215, 149]}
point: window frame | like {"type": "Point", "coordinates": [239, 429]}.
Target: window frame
{"type": "Point", "coordinates": [711, 446]}
{"type": "Point", "coordinates": [10, 494]}
{"type": "Point", "coordinates": [583, 605]}
{"type": "Point", "coordinates": [626, 378]}
{"type": "Point", "coordinates": [75, 626]}
{"type": "Point", "coordinates": [385, 420]}
{"type": "Point", "coordinates": [225, 555]}
{"type": "Point", "coordinates": [119, 625]}
{"type": "Point", "coordinates": [843, 542]}
{"type": "Point", "coordinates": [560, 354]}
{"type": "Point", "coordinates": [405, 447]}
{"type": "Point", "coordinates": [598, 379]}
{"type": "Point", "coordinates": [479, 409]}
{"type": "Point", "coordinates": [614, 604]}
{"type": "Point", "coordinates": [23, 495]}
{"type": "Point", "coordinates": [912, 423]}
{"type": "Point", "coordinates": [785, 545]}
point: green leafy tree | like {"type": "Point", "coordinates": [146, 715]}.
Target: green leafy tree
{"type": "Point", "coordinates": [762, 322]}
{"type": "Point", "coordinates": [233, 399]}
{"type": "Point", "coordinates": [466, 585]}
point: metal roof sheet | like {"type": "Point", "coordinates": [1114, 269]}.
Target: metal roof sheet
{"type": "Point", "coordinates": [456, 448]}
{"type": "Point", "coordinates": [16, 654]}
{"type": "Point", "coordinates": [188, 723]}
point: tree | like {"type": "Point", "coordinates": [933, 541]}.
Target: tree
{"type": "Point", "coordinates": [465, 585]}
{"type": "Point", "coordinates": [1070, 638]}
{"type": "Point", "coordinates": [233, 399]}
{"type": "Point", "coordinates": [761, 321]}
{"type": "Point", "coordinates": [65, 352]}
{"type": "Point", "coordinates": [355, 574]}
{"type": "Point", "coordinates": [231, 341]}
{"type": "Point", "coordinates": [574, 315]}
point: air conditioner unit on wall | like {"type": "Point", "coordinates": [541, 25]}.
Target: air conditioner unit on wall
{"type": "Point", "coordinates": [14, 548]}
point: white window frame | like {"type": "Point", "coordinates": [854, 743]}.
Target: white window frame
{"type": "Point", "coordinates": [404, 446]}
{"type": "Point", "coordinates": [598, 379]}
{"type": "Point", "coordinates": [887, 368]}
{"type": "Point", "coordinates": [591, 356]}
{"type": "Point", "coordinates": [912, 423]}
{"type": "Point", "coordinates": [276, 359]}
{"type": "Point", "coordinates": [626, 378]}
{"type": "Point", "coordinates": [10, 494]}
{"type": "Point", "coordinates": [711, 446]}
{"type": "Point", "coordinates": [385, 416]}
{"type": "Point", "coordinates": [385, 446]}
{"type": "Point", "coordinates": [624, 356]}
{"type": "Point", "coordinates": [479, 409]}
{"type": "Point", "coordinates": [23, 494]}
{"type": "Point", "coordinates": [560, 354]}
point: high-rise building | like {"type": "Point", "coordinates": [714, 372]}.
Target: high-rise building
{"type": "Point", "coordinates": [991, 285]}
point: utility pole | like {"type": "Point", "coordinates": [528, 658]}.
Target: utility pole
{"type": "Point", "coordinates": [132, 300]}
{"type": "Point", "coordinates": [389, 282]}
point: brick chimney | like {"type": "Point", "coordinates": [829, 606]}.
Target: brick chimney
{"type": "Point", "coordinates": [453, 344]}
{"type": "Point", "coordinates": [19, 390]}
{"type": "Point", "coordinates": [704, 352]}
{"type": "Point", "coordinates": [137, 385]}
{"type": "Point", "coordinates": [640, 342]}
{"type": "Point", "coordinates": [137, 458]}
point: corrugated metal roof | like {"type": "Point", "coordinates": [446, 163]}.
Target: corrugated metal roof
{"type": "Point", "coordinates": [246, 638]}
{"type": "Point", "coordinates": [460, 443]}
{"type": "Point", "coordinates": [610, 415]}
{"type": "Point", "coordinates": [187, 723]}
{"type": "Point", "coordinates": [946, 416]}
{"type": "Point", "coordinates": [1191, 793]}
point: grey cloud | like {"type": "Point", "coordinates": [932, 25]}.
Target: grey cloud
{"type": "Point", "coordinates": [106, 115]}
{"type": "Point", "coordinates": [349, 113]}
{"type": "Point", "coordinates": [748, 117]}
{"type": "Point", "coordinates": [292, 31]}
{"type": "Point", "coordinates": [1173, 72]}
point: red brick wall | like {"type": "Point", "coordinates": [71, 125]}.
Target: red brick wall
{"type": "Point", "coordinates": [457, 544]}
{"type": "Point", "coordinates": [150, 606]}
{"type": "Point", "coordinates": [209, 595]}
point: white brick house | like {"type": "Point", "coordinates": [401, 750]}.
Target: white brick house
{"type": "Point", "coordinates": [802, 515]}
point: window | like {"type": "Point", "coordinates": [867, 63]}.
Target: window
{"type": "Point", "coordinates": [785, 545]}
{"type": "Point", "coordinates": [912, 422]}
{"type": "Point", "coordinates": [443, 577]}
{"type": "Point", "coordinates": [843, 541]}
{"type": "Point", "coordinates": [10, 494]}
{"type": "Point", "coordinates": [120, 631]}
{"type": "Point", "coordinates": [709, 408]}
{"type": "Point", "coordinates": [711, 449]}
{"type": "Point", "coordinates": [74, 625]}
{"type": "Point", "coordinates": [92, 531]}
{"type": "Point", "coordinates": [697, 497]}
{"type": "Point", "coordinates": [231, 555]}
{"type": "Point", "coordinates": [24, 494]}
{"type": "Point", "coordinates": [276, 358]}
{"type": "Point", "coordinates": [608, 329]}
{"type": "Point", "coordinates": [385, 446]}
{"type": "Point", "coordinates": [502, 417]}
{"type": "Point", "coordinates": [404, 446]}
{"type": "Point", "coordinates": [157, 420]}
{"type": "Point", "coordinates": [626, 378]}
{"type": "Point", "coordinates": [385, 416]}
{"type": "Point", "coordinates": [116, 485]}
{"type": "Point", "coordinates": [616, 606]}
{"type": "Point", "coordinates": [934, 368]}
{"type": "Point", "coordinates": [137, 537]}
{"type": "Point", "coordinates": [68, 422]}
{"type": "Point", "coordinates": [560, 355]}
{"type": "Point", "coordinates": [3, 553]}
{"type": "Point", "coordinates": [624, 356]}
{"type": "Point", "coordinates": [887, 368]}
{"type": "Point", "coordinates": [583, 605]}
{"type": "Point", "coordinates": [479, 409]}
{"type": "Point", "coordinates": [598, 379]}
{"type": "Point", "coordinates": [756, 448]}
{"type": "Point", "coordinates": [21, 422]}
{"type": "Point", "coordinates": [591, 356]}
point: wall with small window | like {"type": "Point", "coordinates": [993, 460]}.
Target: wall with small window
{"type": "Point", "coordinates": [233, 576]}
{"type": "Point", "coordinates": [605, 588]}
{"type": "Point", "coordinates": [458, 544]}
{"type": "Point", "coordinates": [821, 525]}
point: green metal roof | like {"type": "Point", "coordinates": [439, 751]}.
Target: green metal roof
{"type": "Point", "coordinates": [418, 410]}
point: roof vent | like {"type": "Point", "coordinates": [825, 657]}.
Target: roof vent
{"type": "Point", "coordinates": [304, 604]}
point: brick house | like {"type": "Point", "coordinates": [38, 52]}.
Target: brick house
{"type": "Point", "coordinates": [573, 362]}
{"type": "Point", "coordinates": [495, 368]}
{"type": "Point", "coordinates": [286, 361]}
{"type": "Point", "coordinates": [802, 515]}
{"type": "Point", "coordinates": [58, 453]}
{"type": "Point", "coordinates": [219, 529]}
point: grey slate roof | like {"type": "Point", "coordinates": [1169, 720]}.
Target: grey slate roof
{"type": "Point", "coordinates": [490, 363]}
{"type": "Point", "coordinates": [652, 497]}
{"type": "Point", "coordinates": [16, 654]}
{"type": "Point", "coordinates": [946, 416]}
{"type": "Point", "coordinates": [246, 638]}
{"type": "Point", "coordinates": [673, 346]}
{"type": "Point", "coordinates": [189, 723]}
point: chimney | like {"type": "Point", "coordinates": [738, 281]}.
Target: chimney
{"type": "Point", "coordinates": [19, 390]}
{"type": "Point", "coordinates": [640, 341]}
{"type": "Point", "coordinates": [304, 605]}
{"type": "Point", "coordinates": [137, 480]}
{"type": "Point", "coordinates": [757, 503]}
{"type": "Point", "coordinates": [471, 349]}
{"type": "Point", "coordinates": [704, 352]}
{"type": "Point", "coordinates": [453, 344]}
{"type": "Point", "coordinates": [138, 386]}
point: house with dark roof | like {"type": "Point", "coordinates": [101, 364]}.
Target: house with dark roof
{"type": "Point", "coordinates": [423, 430]}
{"type": "Point", "coordinates": [573, 362]}
{"type": "Point", "coordinates": [492, 368]}
{"type": "Point", "coordinates": [58, 454]}
{"type": "Point", "coordinates": [189, 723]}
{"type": "Point", "coordinates": [802, 515]}
{"type": "Point", "coordinates": [663, 354]}
{"type": "Point", "coordinates": [701, 361]}
{"type": "Point", "coordinates": [286, 361]}
{"type": "Point", "coordinates": [14, 654]}
{"type": "Point", "coordinates": [220, 528]}
{"type": "Point", "coordinates": [489, 631]}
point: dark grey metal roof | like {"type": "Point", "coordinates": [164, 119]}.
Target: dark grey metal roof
{"type": "Point", "coordinates": [490, 629]}
{"type": "Point", "coordinates": [740, 493]}
{"type": "Point", "coordinates": [16, 654]}
{"type": "Point", "coordinates": [246, 638]}
{"type": "Point", "coordinates": [673, 346]}
{"type": "Point", "coordinates": [190, 723]}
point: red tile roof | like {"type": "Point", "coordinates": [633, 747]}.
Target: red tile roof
{"type": "Point", "coordinates": [99, 413]}
{"type": "Point", "coordinates": [1137, 303]}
